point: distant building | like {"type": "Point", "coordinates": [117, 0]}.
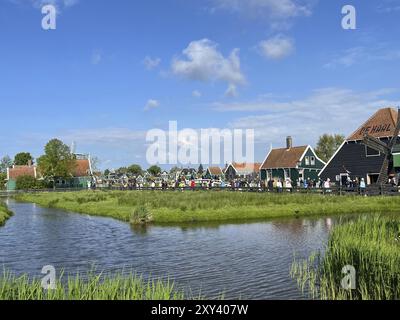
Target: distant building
{"type": "Point", "coordinates": [248, 171]}
{"type": "Point", "coordinates": [214, 173]}
{"type": "Point", "coordinates": [188, 173]}
{"type": "Point", "coordinates": [164, 176]}
{"type": "Point", "coordinates": [18, 171]}
{"type": "Point", "coordinates": [355, 160]}
{"type": "Point", "coordinates": [81, 177]}
{"type": "Point", "coordinates": [296, 163]}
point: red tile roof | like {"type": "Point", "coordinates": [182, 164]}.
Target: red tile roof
{"type": "Point", "coordinates": [284, 158]}
{"type": "Point", "coordinates": [18, 171]}
{"type": "Point", "coordinates": [215, 171]}
{"type": "Point", "coordinates": [246, 167]}
{"type": "Point", "coordinates": [82, 168]}
{"type": "Point", "coordinates": [381, 124]}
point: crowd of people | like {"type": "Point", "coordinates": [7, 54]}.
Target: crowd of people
{"type": "Point", "coordinates": [277, 184]}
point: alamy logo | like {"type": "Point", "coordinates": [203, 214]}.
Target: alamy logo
{"type": "Point", "coordinates": [49, 21]}
{"type": "Point", "coordinates": [49, 280]}
{"type": "Point", "coordinates": [349, 21]}
{"type": "Point", "coordinates": [349, 281]}
{"type": "Point", "coordinates": [206, 146]}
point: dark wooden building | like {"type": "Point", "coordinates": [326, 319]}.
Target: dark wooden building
{"type": "Point", "coordinates": [296, 163]}
{"type": "Point", "coordinates": [355, 160]}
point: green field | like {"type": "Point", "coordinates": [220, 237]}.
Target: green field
{"type": "Point", "coordinates": [178, 207]}
{"type": "Point", "coordinates": [90, 287]}
{"type": "Point", "coordinates": [4, 213]}
{"type": "Point", "coordinates": [372, 246]}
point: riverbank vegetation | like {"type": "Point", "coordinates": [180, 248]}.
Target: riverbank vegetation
{"type": "Point", "coordinates": [90, 287]}
{"type": "Point", "coordinates": [4, 213]}
{"type": "Point", "coordinates": [372, 246]}
{"type": "Point", "coordinates": [178, 207]}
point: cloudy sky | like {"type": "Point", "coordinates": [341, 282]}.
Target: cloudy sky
{"type": "Point", "coordinates": [112, 70]}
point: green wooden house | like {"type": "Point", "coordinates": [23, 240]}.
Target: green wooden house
{"type": "Point", "coordinates": [296, 163]}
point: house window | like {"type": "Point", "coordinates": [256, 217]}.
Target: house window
{"type": "Point", "coordinates": [369, 152]}
{"type": "Point", "coordinates": [313, 161]}
{"type": "Point", "coordinates": [307, 161]}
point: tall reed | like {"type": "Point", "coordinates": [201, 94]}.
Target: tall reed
{"type": "Point", "coordinates": [371, 245]}
{"type": "Point", "coordinates": [90, 287]}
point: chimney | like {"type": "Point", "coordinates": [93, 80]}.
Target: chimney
{"type": "Point", "coordinates": [289, 143]}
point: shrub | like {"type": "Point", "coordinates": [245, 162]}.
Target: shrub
{"type": "Point", "coordinates": [141, 215]}
{"type": "Point", "coordinates": [26, 183]}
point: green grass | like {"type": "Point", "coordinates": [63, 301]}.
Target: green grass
{"type": "Point", "coordinates": [181, 207]}
{"type": "Point", "coordinates": [372, 246]}
{"type": "Point", "coordinates": [4, 213]}
{"type": "Point", "coordinates": [92, 287]}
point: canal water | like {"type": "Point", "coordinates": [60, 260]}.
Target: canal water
{"type": "Point", "coordinates": [242, 261]}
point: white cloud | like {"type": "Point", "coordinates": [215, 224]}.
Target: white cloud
{"type": "Point", "coordinates": [277, 47]}
{"type": "Point", "coordinates": [357, 55]}
{"type": "Point", "coordinates": [203, 62]}
{"type": "Point", "coordinates": [151, 63]}
{"type": "Point", "coordinates": [59, 4]}
{"type": "Point", "coordinates": [277, 13]}
{"type": "Point", "coordinates": [104, 135]}
{"type": "Point", "coordinates": [231, 92]}
{"type": "Point", "coordinates": [196, 94]}
{"type": "Point", "coordinates": [328, 110]}
{"type": "Point", "coordinates": [152, 104]}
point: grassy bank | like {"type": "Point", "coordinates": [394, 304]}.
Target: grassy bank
{"type": "Point", "coordinates": [4, 213]}
{"type": "Point", "coordinates": [177, 207]}
{"type": "Point", "coordinates": [92, 287]}
{"type": "Point", "coordinates": [372, 246]}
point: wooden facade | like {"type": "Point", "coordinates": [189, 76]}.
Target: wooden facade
{"type": "Point", "coordinates": [296, 163]}
{"type": "Point", "coordinates": [353, 160]}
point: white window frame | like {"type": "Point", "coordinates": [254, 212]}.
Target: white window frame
{"type": "Point", "coordinates": [312, 160]}
{"type": "Point", "coordinates": [307, 160]}
{"type": "Point", "coordinates": [371, 155]}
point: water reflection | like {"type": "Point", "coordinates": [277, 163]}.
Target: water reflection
{"type": "Point", "coordinates": [247, 260]}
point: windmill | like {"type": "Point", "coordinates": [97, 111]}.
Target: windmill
{"type": "Point", "coordinates": [385, 149]}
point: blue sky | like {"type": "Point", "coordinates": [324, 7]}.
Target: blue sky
{"type": "Point", "coordinates": [114, 69]}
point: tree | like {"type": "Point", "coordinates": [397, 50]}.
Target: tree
{"type": "Point", "coordinates": [200, 171]}
{"type": "Point", "coordinates": [122, 170]}
{"type": "Point", "coordinates": [327, 145]}
{"type": "Point", "coordinates": [3, 177]}
{"type": "Point", "coordinates": [23, 159]}
{"type": "Point", "coordinates": [107, 172]}
{"type": "Point", "coordinates": [174, 170]}
{"type": "Point", "coordinates": [57, 162]}
{"type": "Point", "coordinates": [5, 163]}
{"type": "Point", "coordinates": [95, 163]}
{"type": "Point", "coordinates": [154, 171]}
{"type": "Point", "coordinates": [135, 169]}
